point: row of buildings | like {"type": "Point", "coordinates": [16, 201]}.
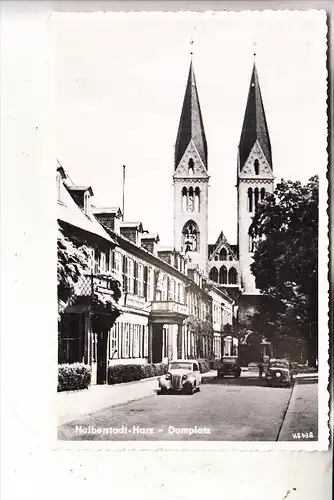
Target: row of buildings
{"type": "Point", "coordinates": [195, 286]}
{"type": "Point", "coordinates": [169, 309]}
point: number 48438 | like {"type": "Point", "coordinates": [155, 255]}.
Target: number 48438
{"type": "Point", "coordinates": [302, 435]}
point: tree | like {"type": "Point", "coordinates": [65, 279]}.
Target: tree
{"type": "Point", "coordinates": [72, 263]}
{"type": "Point", "coordinates": [203, 334]}
{"type": "Point", "coordinates": [285, 228]}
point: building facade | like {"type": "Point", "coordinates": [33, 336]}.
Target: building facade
{"type": "Point", "coordinates": [78, 338]}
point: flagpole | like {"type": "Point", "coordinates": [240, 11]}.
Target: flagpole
{"type": "Point", "coordinates": [123, 192]}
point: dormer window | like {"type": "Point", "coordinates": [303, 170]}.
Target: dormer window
{"type": "Point", "coordinates": [58, 186]}
{"type": "Point", "coordinates": [87, 203]}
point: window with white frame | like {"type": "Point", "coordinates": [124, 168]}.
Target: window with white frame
{"type": "Point", "coordinates": [112, 260]}
{"type": "Point", "coordinates": [145, 341]}
{"type": "Point", "coordinates": [87, 203]}
{"type": "Point", "coordinates": [108, 265]}
{"type": "Point", "coordinates": [58, 186]}
{"type": "Point", "coordinates": [140, 280]}
{"type": "Point", "coordinates": [130, 276]}
{"type": "Point", "coordinates": [140, 340]}
{"type": "Point", "coordinates": [135, 278]}
{"type": "Point", "coordinates": [149, 283]}
{"type": "Point", "coordinates": [127, 341]}
{"type": "Point", "coordinates": [131, 340]}
{"type": "Point", "coordinates": [113, 343]}
{"type": "Point", "coordinates": [146, 283]}
{"type": "Point", "coordinates": [102, 267]}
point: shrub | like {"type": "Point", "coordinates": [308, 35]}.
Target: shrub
{"type": "Point", "coordinates": [214, 364]}
{"type": "Point", "coordinates": [72, 377]}
{"type": "Point", "coordinates": [204, 365]}
{"type": "Point", "coordinates": [131, 372]}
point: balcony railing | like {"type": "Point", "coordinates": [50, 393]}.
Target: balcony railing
{"type": "Point", "coordinates": [90, 282]}
{"type": "Point", "coordinates": [169, 307]}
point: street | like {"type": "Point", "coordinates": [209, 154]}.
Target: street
{"type": "Point", "coordinates": [224, 410]}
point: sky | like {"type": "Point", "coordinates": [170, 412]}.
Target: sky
{"type": "Point", "coordinates": [119, 87]}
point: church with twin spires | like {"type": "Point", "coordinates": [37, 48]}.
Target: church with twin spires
{"type": "Point", "coordinates": [226, 264]}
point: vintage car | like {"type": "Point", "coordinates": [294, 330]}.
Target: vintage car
{"type": "Point", "coordinates": [229, 365]}
{"type": "Point", "coordinates": [183, 375]}
{"type": "Point", "coordinates": [279, 372]}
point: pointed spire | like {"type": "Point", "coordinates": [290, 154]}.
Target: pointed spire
{"type": "Point", "coordinates": [191, 123]}
{"type": "Point", "coordinates": [255, 124]}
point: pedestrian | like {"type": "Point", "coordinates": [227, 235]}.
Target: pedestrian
{"type": "Point", "coordinates": [260, 365]}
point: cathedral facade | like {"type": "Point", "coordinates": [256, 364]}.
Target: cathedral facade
{"type": "Point", "coordinates": [227, 265]}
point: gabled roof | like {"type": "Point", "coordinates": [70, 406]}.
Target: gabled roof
{"type": "Point", "coordinates": [255, 124]}
{"type": "Point", "coordinates": [150, 236]}
{"type": "Point", "coordinates": [81, 189]}
{"type": "Point", "coordinates": [222, 242]}
{"type": "Point", "coordinates": [137, 225]}
{"type": "Point", "coordinates": [107, 210]}
{"type": "Point", "coordinates": [191, 123]}
{"type": "Point", "coordinates": [68, 211]}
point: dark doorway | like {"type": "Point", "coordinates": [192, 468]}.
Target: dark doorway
{"type": "Point", "coordinates": [157, 342]}
{"type": "Point", "coordinates": [71, 339]}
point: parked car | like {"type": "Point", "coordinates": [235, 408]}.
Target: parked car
{"type": "Point", "coordinates": [229, 365]}
{"type": "Point", "coordinates": [183, 375]}
{"type": "Point", "coordinates": [279, 372]}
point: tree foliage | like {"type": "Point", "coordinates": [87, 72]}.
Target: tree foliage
{"type": "Point", "coordinates": [202, 330]}
{"type": "Point", "coordinates": [72, 266]}
{"type": "Point", "coordinates": [72, 263]}
{"type": "Point", "coordinates": [285, 265]}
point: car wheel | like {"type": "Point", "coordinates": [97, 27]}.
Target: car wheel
{"type": "Point", "coordinates": [191, 390]}
{"type": "Point", "coordinates": [198, 388]}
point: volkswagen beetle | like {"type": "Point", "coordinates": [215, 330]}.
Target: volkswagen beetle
{"type": "Point", "coordinates": [183, 375]}
{"type": "Point", "coordinates": [279, 372]}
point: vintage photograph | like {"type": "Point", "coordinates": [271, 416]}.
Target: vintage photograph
{"type": "Point", "coordinates": [191, 159]}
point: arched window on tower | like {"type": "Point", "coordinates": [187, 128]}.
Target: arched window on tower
{"type": "Point", "coordinates": [223, 275]}
{"type": "Point", "coordinates": [184, 199]}
{"type": "Point", "coordinates": [256, 167]}
{"type": "Point", "coordinates": [197, 199]}
{"type": "Point", "coordinates": [232, 276]}
{"type": "Point", "coordinates": [213, 274]}
{"type": "Point", "coordinates": [256, 198]}
{"type": "Point", "coordinates": [250, 199]}
{"type": "Point", "coordinates": [263, 193]}
{"type": "Point", "coordinates": [191, 199]}
{"type": "Point", "coordinates": [223, 254]}
{"type": "Point", "coordinates": [190, 236]}
{"type": "Point", "coordinates": [191, 167]}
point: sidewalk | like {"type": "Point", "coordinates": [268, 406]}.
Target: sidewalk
{"type": "Point", "coordinates": [73, 404]}
{"type": "Point", "coordinates": [302, 413]}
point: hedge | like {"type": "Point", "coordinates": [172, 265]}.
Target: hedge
{"type": "Point", "coordinates": [214, 364]}
{"type": "Point", "coordinates": [204, 365]}
{"type": "Point", "coordinates": [130, 372]}
{"type": "Point", "coordinates": [72, 377]}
